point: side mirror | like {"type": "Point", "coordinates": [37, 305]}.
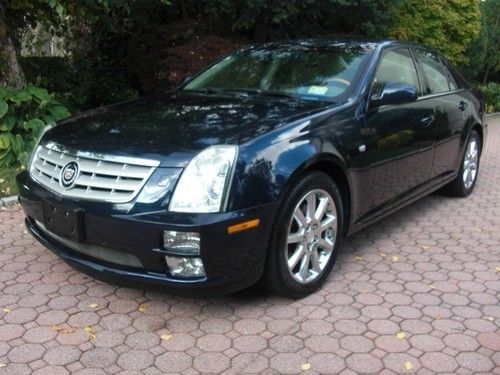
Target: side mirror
{"type": "Point", "coordinates": [395, 93]}
{"type": "Point", "coordinates": [186, 80]}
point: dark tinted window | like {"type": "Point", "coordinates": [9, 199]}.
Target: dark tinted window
{"type": "Point", "coordinates": [451, 79]}
{"type": "Point", "coordinates": [438, 76]}
{"type": "Point", "coordinates": [395, 66]}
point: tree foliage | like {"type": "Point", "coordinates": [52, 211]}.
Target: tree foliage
{"type": "Point", "coordinates": [264, 20]}
{"type": "Point", "coordinates": [446, 25]}
{"type": "Point", "coordinates": [23, 114]}
{"type": "Point", "coordinates": [485, 52]}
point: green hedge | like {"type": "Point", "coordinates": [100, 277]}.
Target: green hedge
{"type": "Point", "coordinates": [491, 92]}
{"type": "Point", "coordinates": [23, 114]}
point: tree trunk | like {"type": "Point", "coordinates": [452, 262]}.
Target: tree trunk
{"type": "Point", "coordinates": [11, 73]}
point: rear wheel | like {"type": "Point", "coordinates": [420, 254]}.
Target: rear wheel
{"type": "Point", "coordinates": [464, 184]}
{"type": "Point", "coordinates": [303, 248]}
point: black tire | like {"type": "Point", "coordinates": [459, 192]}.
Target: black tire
{"type": "Point", "coordinates": [458, 188]}
{"type": "Point", "coordinates": [278, 278]}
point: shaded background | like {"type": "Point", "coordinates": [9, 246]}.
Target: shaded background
{"type": "Point", "coordinates": [60, 57]}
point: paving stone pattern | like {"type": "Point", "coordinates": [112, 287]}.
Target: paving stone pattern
{"type": "Point", "coordinates": [417, 292]}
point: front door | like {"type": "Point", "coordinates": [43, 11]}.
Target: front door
{"type": "Point", "coordinates": [396, 158]}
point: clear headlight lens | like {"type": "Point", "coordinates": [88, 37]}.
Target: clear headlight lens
{"type": "Point", "coordinates": [204, 184]}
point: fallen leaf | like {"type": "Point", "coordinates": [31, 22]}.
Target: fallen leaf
{"type": "Point", "coordinates": [143, 307]}
{"type": "Point", "coordinates": [383, 254]}
{"type": "Point", "coordinates": [56, 328]}
{"type": "Point", "coordinates": [69, 330]}
{"type": "Point", "coordinates": [479, 229]}
{"type": "Point", "coordinates": [401, 335]}
{"type": "Point", "coordinates": [437, 317]}
{"type": "Point", "coordinates": [490, 318]}
{"type": "Point", "coordinates": [425, 247]}
{"type": "Point", "coordinates": [93, 305]}
{"type": "Point", "coordinates": [395, 258]}
{"type": "Point", "coordinates": [306, 366]}
{"type": "Point", "coordinates": [6, 310]}
{"type": "Point", "coordinates": [166, 337]}
{"type": "Point", "coordinates": [498, 269]}
{"type": "Point", "coordinates": [3, 365]}
{"type": "Point", "coordinates": [408, 365]}
{"type": "Point", "coordinates": [431, 286]}
{"type": "Point", "coordinates": [90, 331]}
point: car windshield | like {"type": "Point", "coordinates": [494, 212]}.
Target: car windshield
{"type": "Point", "coordinates": [309, 73]}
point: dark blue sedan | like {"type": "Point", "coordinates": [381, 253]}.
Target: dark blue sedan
{"type": "Point", "coordinates": [256, 168]}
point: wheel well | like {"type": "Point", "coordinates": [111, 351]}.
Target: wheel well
{"type": "Point", "coordinates": [479, 131]}
{"type": "Point", "coordinates": [336, 173]}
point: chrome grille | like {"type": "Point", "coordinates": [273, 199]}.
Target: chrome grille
{"type": "Point", "coordinates": [101, 177]}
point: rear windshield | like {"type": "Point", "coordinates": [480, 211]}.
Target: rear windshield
{"type": "Point", "coordinates": [308, 73]}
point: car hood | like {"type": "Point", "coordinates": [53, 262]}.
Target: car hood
{"type": "Point", "coordinates": [172, 127]}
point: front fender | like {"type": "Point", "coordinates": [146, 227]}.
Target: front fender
{"type": "Point", "coordinates": [267, 168]}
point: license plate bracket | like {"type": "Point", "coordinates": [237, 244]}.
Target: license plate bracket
{"type": "Point", "coordinates": [64, 221]}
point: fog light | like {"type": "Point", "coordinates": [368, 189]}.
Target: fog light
{"type": "Point", "coordinates": [183, 242]}
{"type": "Point", "coordinates": [185, 267]}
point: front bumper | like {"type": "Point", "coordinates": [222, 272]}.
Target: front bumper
{"type": "Point", "coordinates": [231, 261]}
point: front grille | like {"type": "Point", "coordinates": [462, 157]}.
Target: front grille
{"type": "Point", "coordinates": [100, 177]}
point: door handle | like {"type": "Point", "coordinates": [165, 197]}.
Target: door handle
{"type": "Point", "coordinates": [462, 105]}
{"type": "Point", "coordinates": [427, 120]}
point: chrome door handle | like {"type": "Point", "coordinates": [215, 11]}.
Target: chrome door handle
{"type": "Point", "coordinates": [427, 120]}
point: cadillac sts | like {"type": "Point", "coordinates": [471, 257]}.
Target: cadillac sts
{"type": "Point", "coordinates": [256, 168]}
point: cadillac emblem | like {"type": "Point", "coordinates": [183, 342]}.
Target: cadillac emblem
{"type": "Point", "coordinates": [69, 174]}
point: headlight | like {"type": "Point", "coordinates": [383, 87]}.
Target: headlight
{"type": "Point", "coordinates": [204, 184]}
{"type": "Point", "coordinates": [40, 136]}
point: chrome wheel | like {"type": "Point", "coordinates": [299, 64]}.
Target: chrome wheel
{"type": "Point", "coordinates": [311, 236]}
{"type": "Point", "coordinates": [470, 163]}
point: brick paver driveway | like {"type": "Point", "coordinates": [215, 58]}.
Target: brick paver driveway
{"type": "Point", "coordinates": [418, 292]}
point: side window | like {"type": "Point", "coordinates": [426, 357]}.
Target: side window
{"type": "Point", "coordinates": [451, 80]}
{"type": "Point", "coordinates": [438, 76]}
{"type": "Point", "coordinates": [395, 66]}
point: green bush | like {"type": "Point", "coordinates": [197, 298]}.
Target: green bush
{"type": "Point", "coordinates": [491, 92]}
{"type": "Point", "coordinates": [23, 114]}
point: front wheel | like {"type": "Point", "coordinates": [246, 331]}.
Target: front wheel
{"type": "Point", "coordinates": [303, 247]}
{"type": "Point", "coordinates": [463, 185]}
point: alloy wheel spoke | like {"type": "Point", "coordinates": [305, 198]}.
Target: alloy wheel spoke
{"type": "Point", "coordinates": [295, 237]}
{"type": "Point", "coordinates": [325, 244]}
{"type": "Point", "coordinates": [298, 215]}
{"type": "Point", "coordinates": [311, 206]}
{"type": "Point", "coordinates": [321, 209]}
{"type": "Point", "coordinates": [296, 256]}
{"type": "Point", "coordinates": [304, 266]}
{"type": "Point", "coordinates": [315, 261]}
{"type": "Point", "coordinates": [328, 221]}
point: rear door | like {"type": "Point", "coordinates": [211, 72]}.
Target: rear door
{"type": "Point", "coordinates": [451, 113]}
